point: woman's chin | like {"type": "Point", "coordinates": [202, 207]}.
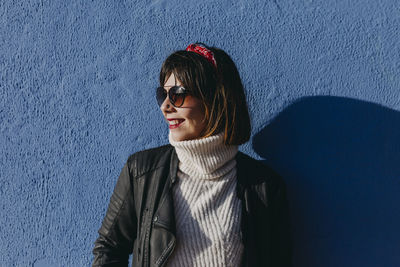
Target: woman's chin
{"type": "Point", "coordinates": [177, 137]}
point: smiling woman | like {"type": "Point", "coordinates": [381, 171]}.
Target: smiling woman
{"type": "Point", "coordinates": [211, 80]}
{"type": "Point", "coordinates": [186, 121]}
{"type": "Point", "coordinates": [197, 201]}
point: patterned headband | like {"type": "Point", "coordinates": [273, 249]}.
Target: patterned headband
{"type": "Point", "coordinates": [203, 51]}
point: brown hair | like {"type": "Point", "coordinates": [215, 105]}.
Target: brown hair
{"type": "Point", "coordinates": [220, 90]}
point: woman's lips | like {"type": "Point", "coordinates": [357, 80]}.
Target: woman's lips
{"type": "Point", "coordinates": [175, 123]}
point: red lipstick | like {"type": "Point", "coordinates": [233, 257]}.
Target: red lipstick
{"type": "Point", "coordinates": [175, 123]}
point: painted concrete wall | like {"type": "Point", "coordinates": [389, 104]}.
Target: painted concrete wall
{"type": "Point", "coordinates": [322, 79]}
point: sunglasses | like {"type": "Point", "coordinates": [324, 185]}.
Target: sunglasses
{"type": "Point", "coordinates": [176, 95]}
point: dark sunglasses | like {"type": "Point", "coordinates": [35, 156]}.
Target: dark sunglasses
{"type": "Point", "coordinates": [176, 95]}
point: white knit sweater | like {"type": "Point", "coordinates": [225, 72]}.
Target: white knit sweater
{"type": "Point", "coordinates": [207, 210]}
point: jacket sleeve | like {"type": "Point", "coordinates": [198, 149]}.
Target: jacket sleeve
{"type": "Point", "coordinates": [281, 234]}
{"type": "Point", "coordinates": [118, 230]}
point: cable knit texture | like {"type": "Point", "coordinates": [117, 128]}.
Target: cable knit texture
{"type": "Point", "coordinates": [207, 209]}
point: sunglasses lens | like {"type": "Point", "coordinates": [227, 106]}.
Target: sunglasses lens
{"type": "Point", "coordinates": [161, 94]}
{"type": "Point", "coordinates": [177, 95]}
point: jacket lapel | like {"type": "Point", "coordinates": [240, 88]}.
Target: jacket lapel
{"type": "Point", "coordinates": [242, 190]}
{"type": "Point", "coordinates": [164, 228]}
{"type": "Point", "coordinates": [165, 210]}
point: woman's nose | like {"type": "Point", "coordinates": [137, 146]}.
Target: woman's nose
{"type": "Point", "coordinates": [166, 106]}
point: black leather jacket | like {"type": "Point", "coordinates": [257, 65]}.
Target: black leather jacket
{"type": "Point", "coordinates": [140, 216]}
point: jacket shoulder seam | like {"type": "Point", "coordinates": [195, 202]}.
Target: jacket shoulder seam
{"type": "Point", "coordinates": [146, 172]}
{"type": "Point", "coordinates": [136, 160]}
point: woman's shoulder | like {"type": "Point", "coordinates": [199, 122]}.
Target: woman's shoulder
{"type": "Point", "coordinates": [149, 159]}
{"type": "Point", "coordinates": [253, 172]}
{"type": "Point", "coordinates": [254, 166]}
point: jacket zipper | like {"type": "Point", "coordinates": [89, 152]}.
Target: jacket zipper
{"type": "Point", "coordinates": [148, 229]}
{"type": "Point", "coordinates": [146, 240]}
{"type": "Point", "coordinates": [166, 255]}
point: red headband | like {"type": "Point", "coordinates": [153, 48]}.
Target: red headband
{"type": "Point", "coordinates": [203, 51]}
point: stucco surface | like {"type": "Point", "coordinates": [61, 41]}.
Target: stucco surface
{"type": "Point", "coordinates": [322, 79]}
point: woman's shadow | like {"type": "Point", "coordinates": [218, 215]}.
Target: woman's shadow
{"type": "Point", "coordinates": [340, 159]}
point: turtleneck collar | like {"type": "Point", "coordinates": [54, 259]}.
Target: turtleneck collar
{"type": "Point", "coordinates": [206, 158]}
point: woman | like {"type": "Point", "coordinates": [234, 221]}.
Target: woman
{"type": "Point", "coordinates": [197, 201]}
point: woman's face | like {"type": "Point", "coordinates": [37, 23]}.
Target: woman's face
{"type": "Point", "coordinates": [185, 122]}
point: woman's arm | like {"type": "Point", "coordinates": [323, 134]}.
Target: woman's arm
{"type": "Point", "coordinates": [118, 230]}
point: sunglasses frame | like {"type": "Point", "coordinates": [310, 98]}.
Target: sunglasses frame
{"type": "Point", "coordinates": [171, 93]}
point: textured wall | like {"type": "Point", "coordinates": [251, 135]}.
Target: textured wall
{"type": "Point", "coordinates": [77, 83]}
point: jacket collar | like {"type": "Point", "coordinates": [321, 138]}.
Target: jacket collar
{"type": "Point", "coordinates": [241, 173]}
{"type": "Point", "coordinates": [173, 168]}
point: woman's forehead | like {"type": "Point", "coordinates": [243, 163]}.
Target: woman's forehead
{"type": "Point", "coordinates": [172, 81]}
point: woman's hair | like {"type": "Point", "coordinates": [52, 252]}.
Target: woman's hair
{"type": "Point", "coordinates": [219, 89]}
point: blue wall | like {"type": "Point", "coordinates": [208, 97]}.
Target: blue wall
{"type": "Point", "coordinates": [77, 83]}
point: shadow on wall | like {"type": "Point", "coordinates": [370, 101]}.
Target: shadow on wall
{"type": "Point", "coordinates": [340, 159]}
